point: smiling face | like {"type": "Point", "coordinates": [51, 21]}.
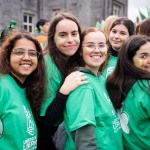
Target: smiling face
{"type": "Point", "coordinates": [23, 66]}
{"type": "Point", "coordinates": [94, 50]}
{"type": "Point", "coordinates": [118, 35]}
{"type": "Point", "coordinates": [67, 37]}
{"type": "Point", "coordinates": [142, 57]}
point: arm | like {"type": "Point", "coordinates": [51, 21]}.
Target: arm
{"type": "Point", "coordinates": [84, 138]}
{"type": "Point", "coordinates": [56, 108]}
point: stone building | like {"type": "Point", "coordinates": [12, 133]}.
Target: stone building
{"type": "Point", "coordinates": [27, 12]}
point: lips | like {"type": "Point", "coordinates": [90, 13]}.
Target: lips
{"type": "Point", "coordinates": [25, 65]}
{"type": "Point", "coordinates": [116, 42]}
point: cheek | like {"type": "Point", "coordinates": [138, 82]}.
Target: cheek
{"type": "Point", "coordinates": [139, 63]}
{"type": "Point", "coordinates": [12, 60]}
{"type": "Point", "coordinates": [59, 42]}
{"type": "Point", "coordinates": [56, 39]}
{"type": "Point", "coordinates": [77, 40]}
{"type": "Point", "coordinates": [124, 38]}
{"type": "Point", "coordinates": [85, 54]}
{"type": "Point", "coordinates": [104, 52]}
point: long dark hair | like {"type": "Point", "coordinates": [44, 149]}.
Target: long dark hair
{"type": "Point", "coordinates": [35, 82]}
{"type": "Point", "coordinates": [59, 58]}
{"type": "Point", "coordinates": [126, 73]}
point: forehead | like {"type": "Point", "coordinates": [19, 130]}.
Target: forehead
{"type": "Point", "coordinates": [95, 37]}
{"type": "Point", "coordinates": [145, 48]}
{"type": "Point", "coordinates": [24, 43]}
{"type": "Point", "coordinates": [66, 25]}
{"type": "Point", "coordinates": [120, 27]}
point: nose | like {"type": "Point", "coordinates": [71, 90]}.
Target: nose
{"type": "Point", "coordinates": [70, 38]}
{"type": "Point", "coordinates": [26, 55]}
{"type": "Point", "coordinates": [97, 49]}
{"type": "Point", "coordinates": [116, 35]}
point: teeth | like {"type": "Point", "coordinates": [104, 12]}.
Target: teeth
{"type": "Point", "coordinates": [96, 57]}
{"type": "Point", "coordinates": [25, 65]}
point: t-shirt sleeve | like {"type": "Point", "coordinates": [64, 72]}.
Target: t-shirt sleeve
{"type": "Point", "coordinates": [80, 108]}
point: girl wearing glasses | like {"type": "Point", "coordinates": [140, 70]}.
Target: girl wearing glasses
{"type": "Point", "coordinates": [22, 83]}
{"type": "Point", "coordinates": [90, 119]}
{"type": "Point", "coordinates": [129, 90]}
{"type": "Point", "coordinates": [62, 52]}
{"type": "Point", "coordinates": [120, 31]}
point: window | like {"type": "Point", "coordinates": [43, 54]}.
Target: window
{"type": "Point", "coordinates": [28, 22]}
{"type": "Point", "coordinates": [116, 10]}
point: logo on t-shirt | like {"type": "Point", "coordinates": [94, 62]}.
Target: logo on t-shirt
{"type": "Point", "coordinates": [1, 128]}
{"type": "Point", "coordinates": [30, 124]}
{"type": "Point", "coordinates": [124, 120]}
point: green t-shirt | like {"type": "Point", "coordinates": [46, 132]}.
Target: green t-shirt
{"type": "Point", "coordinates": [90, 105]}
{"type": "Point", "coordinates": [135, 117]}
{"type": "Point", "coordinates": [110, 66]}
{"type": "Point", "coordinates": [54, 79]}
{"type": "Point", "coordinates": [17, 127]}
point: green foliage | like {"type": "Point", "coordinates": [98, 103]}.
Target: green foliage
{"type": "Point", "coordinates": [99, 25]}
{"type": "Point", "coordinates": [142, 16]}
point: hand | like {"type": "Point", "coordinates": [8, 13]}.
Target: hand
{"type": "Point", "coordinates": [72, 81]}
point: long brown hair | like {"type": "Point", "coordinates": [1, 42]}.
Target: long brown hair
{"type": "Point", "coordinates": [59, 58]}
{"type": "Point", "coordinates": [35, 82]}
{"type": "Point", "coordinates": [126, 73]}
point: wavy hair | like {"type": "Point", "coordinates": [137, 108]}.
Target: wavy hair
{"type": "Point", "coordinates": [126, 73]}
{"type": "Point", "coordinates": [35, 82]}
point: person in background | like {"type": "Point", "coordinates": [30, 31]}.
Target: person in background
{"type": "Point", "coordinates": [7, 30]}
{"type": "Point", "coordinates": [90, 119]}
{"type": "Point", "coordinates": [108, 23]}
{"type": "Point", "coordinates": [62, 52]}
{"type": "Point", "coordinates": [129, 89]}
{"type": "Point", "coordinates": [42, 27]}
{"type": "Point", "coordinates": [22, 82]}
{"type": "Point", "coordinates": [120, 31]}
{"type": "Point", "coordinates": [144, 28]}
{"type": "Point", "coordinates": [137, 28]}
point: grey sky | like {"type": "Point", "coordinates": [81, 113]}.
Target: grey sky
{"type": "Point", "coordinates": [135, 5]}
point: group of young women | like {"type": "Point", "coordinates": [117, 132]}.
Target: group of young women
{"type": "Point", "coordinates": [99, 87]}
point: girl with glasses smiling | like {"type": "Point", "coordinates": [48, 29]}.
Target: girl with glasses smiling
{"type": "Point", "coordinates": [90, 119]}
{"type": "Point", "coordinates": [22, 83]}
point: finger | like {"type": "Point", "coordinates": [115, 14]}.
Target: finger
{"type": "Point", "coordinates": [83, 78]}
{"type": "Point", "coordinates": [78, 73]}
{"type": "Point", "coordinates": [84, 82]}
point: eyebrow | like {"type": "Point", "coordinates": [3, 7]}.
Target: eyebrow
{"type": "Point", "coordinates": [94, 43]}
{"type": "Point", "coordinates": [62, 33]}
{"type": "Point", "coordinates": [75, 31]}
{"type": "Point", "coordinates": [67, 32]}
{"type": "Point", "coordinates": [144, 53]}
{"type": "Point", "coordinates": [28, 49]}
